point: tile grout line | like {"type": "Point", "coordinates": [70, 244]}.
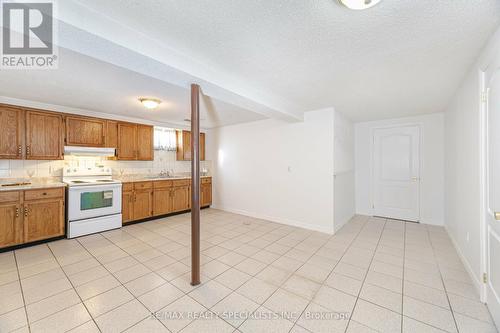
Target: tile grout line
{"type": "Point", "coordinates": [442, 279]}
{"type": "Point", "coordinates": [74, 289]}
{"type": "Point", "coordinates": [329, 274]}
{"type": "Point", "coordinates": [25, 306]}
{"type": "Point", "coordinates": [366, 275]}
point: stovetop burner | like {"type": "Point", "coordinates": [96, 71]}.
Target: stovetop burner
{"type": "Point", "coordinates": [79, 182]}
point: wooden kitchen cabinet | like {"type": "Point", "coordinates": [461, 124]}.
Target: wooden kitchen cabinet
{"type": "Point", "coordinates": [145, 143]}
{"type": "Point", "coordinates": [44, 136]}
{"type": "Point", "coordinates": [111, 134]}
{"type": "Point", "coordinates": [85, 131]}
{"type": "Point", "coordinates": [181, 199]}
{"type": "Point", "coordinates": [162, 197]}
{"type": "Point", "coordinates": [127, 141]}
{"type": "Point", "coordinates": [143, 204]}
{"type": "Point", "coordinates": [43, 219]}
{"type": "Point", "coordinates": [183, 140]}
{"type": "Point", "coordinates": [31, 215]}
{"type": "Point", "coordinates": [11, 226]}
{"type": "Point", "coordinates": [127, 206]}
{"type": "Point", "coordinates": [11, 132]}
{"type": "Point", "coordinates": [205, 194]}
{"type": "Point", "coordinates": [135, 142]}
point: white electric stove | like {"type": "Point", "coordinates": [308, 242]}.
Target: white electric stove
{"type": "Point", "coordinates": [93, 199]}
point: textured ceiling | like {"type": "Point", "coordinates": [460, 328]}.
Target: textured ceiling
{"type": "Point", "coordinates": [402, 57]}
{"type": "Point", "coordinates": [85, 83]}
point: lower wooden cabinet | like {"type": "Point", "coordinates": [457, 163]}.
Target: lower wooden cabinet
{"type": "Point", "coordinates": [11, 225]}
{"type": "Point", "coordinates": [206, 194]}
{"type": "Point", "coordinates": [43, 219]}
{"type": "Point", "coordinates": [141, 200]}
{"type": "Point", "coordinates": [31, 215]}
{"type": "Point", "coordinates": [181, 200]}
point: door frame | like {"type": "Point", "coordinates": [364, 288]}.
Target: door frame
{"type": "Point", "coordinates": [483, 170]}
{"type": "Point", "coordinates": [419, 125]}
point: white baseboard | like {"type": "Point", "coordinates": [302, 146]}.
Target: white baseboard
{"type": "Point", "coordinates": [293, 223]}
{"type": "Point", "coordinates": [475, 279]}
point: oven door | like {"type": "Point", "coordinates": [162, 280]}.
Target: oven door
{"type": "Point", "coordinates": [94, 201]}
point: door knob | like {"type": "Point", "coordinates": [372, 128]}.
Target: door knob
{"type": "Point", "coordinates": [497, 216]}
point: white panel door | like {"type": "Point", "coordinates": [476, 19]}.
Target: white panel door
{"type": "Point", "coordinates": [396, 172]}
{"type": "Point", "coordinates": [492, 85]}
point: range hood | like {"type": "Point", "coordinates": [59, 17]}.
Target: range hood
{"type": "Point", "coordinates": [88, 151]}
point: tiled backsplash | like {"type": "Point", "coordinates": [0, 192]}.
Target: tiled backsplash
{"type": "Point", "coordinates": [163, 160]}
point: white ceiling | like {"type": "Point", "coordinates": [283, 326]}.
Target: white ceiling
{"type": "Point", "coordinates": [399, 58]}
{"type": "Point", "coordinates": [88, 84]}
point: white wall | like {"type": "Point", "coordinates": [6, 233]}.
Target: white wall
{"type": "Point", "coordinates": [432, 165]}
{"type": "Point", "coordinates": [276, 170]}
{"type": "Point", "coordinates": [463, 172]}
{"type": "Point", "coordinates": [344, 203]}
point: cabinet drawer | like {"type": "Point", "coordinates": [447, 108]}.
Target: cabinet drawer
{"type": "Point", "coordinates": [143, 185]}
{"type": "Point", "coordinates": [181, 182]}
{"type": "Point", "coordinates": [11, 196]}
{"type": "Point", "coordinates": [206, 180]}
{"type": "Point", "coordinates": [127, 187]}
{"type": "Point", "coordinates": [43, 194]}
{"type": "Point", "coordinates": [162, 184]}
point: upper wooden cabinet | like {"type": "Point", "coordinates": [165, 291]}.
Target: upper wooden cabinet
{"type": "Point", "coordinates": [27, 133]}
{"type": "Point", "coordinates": [145, 143]}
{"type": "Point", "coordinates": [135, 142]}
{"type": "Point", "coordinates": [44, 136]}
{"type": "Point", "coordinates": [11, 132]}
{"type": "Point", "coordinates": [111, 134]}
{"type": "Point", "coordinates": [84, 131]}
{"type": "Point", "coordinates": [183, 139]}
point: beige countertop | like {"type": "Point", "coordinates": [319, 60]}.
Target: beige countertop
{"type": "Point", "coordinates": [29, 184]}
{"type": "Point", "coordinates": [149, 178]}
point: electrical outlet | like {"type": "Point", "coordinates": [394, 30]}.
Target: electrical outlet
{"type": "Point", "coordinates": [467, 237]}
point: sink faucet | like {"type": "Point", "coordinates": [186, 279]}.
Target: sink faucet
{"type": "Point", "coordinates": [163, 173]}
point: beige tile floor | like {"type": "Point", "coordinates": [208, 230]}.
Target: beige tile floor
{"type": "Point", "coordinates": [374, 275]}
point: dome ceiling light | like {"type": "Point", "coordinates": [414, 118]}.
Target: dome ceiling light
{"type": "Point", "coordinates": [359, 4]}
{"type": "Point", "coordinates": [150, 103]}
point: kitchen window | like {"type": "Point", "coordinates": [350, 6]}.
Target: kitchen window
{"type": "Point", "coordinates": [165, 139]}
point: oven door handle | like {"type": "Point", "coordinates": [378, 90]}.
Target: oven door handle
{"type": "Point", "coordinates": [85, 188]}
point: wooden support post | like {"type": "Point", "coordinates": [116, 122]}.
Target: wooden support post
{"type": "Point", "coordinates": [195, 184]}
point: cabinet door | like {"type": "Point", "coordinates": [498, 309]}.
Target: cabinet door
{"type": "Point", "coordinates": [184, 146]}
{"type": "Point", "coordinates": [11, 125]}
{"type": "Point", "coordinates": [145, 143]}
{"type": "Point", "coordinates": [43, 219]}
{"type": "Point", "coordinates": [162, 201]}
{"type": "Point", "coordinates": [202, 146]}
{"type": "Point", "coordinates": [127, 140]}
{"type": "Point", "coordinates": [180, 199]}
{"type": "Point", "coordinates": [127, 207]}
{"type": "Point", "coordinates": [11, 231]}
{"type": "Point", "coordinates": [87, 132]}
{"type": "Point", "coordinates": [111, 134]}
{"type": "Point", "coordinates": [43, 136]}
{"type": "Point", "coordinates": [143, 204]}
{"type": "Point", "coordinates": [206, 195]}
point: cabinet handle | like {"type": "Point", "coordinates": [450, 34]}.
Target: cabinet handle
{"type": "Point", "coordinates": [17, 211]}
{"type": "Point", "coordinates": [25, 212]}
{"type": "Point", "coordinates": [19, 150]}
{"type": "Point", "coordinates": [28, 150]}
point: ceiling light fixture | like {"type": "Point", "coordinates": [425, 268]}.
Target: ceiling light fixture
{"type": "Point", "coordinates": [150, 103]}
{"type": "Point", "coordinates": [359, 4]}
